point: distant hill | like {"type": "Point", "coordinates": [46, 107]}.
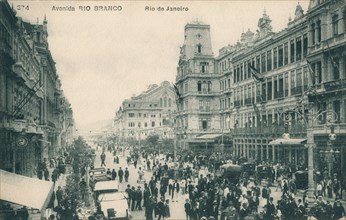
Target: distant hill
{"type": "Point", "coordinates": [93, 128]}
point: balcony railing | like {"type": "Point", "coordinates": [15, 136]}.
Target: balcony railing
{"type": "Point", "coordinates": [296, 129]}
{"type": "Point", "coordinates": [335, 85]}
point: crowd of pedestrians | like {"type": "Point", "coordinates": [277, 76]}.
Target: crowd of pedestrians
{"type": "Point", "coordinates": [211, 196]}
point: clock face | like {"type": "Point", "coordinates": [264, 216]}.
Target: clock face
{"type": "Point", "coordinates": [22, 141]}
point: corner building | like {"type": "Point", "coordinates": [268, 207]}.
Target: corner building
{"type": "Point", "coordinates": [146, 114]}
{"type": "Point", "coordinates": [197, 81]}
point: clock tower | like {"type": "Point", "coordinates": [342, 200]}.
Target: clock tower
{"type": "Point", "coordinates": [197, 82]}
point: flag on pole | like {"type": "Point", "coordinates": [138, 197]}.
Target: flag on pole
{"type": "Point", "coordinates": [256, 74]}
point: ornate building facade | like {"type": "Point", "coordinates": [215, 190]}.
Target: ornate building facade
{"type": "Point", "coordinates": [268, 84]}
{"type": "Point", "coordinates": [151, 112]}
{"type": "Point", "coordinates": [34, 114]}
{"type": "Point", "coordinates": [197, 82]}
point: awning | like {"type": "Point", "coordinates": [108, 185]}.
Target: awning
{"type": "Point", "coordinates": [26, 191]}
{"type": "Point", "coordinates": [208, 136]}
{"type": "Point", "coordinates": [201, 141]}
{"type": "Point", "coordinates": [288, 141]}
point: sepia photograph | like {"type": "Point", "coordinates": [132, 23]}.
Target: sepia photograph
{"type": "Point", "coordinates": [172, 110]}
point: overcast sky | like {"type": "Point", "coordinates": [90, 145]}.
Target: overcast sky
{"type": "Point", "coordinates": [103, 58]}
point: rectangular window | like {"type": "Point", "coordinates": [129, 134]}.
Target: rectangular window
{"type": "Point", "coordinates": [276, 94]}
{"type": "Point", "coordinates": [207, 105]}
{"type": "Point", "coordinates": [269, 89]}
{"type": "Point", "coordinates": [319, 33]}
{"type": "Point", "coordinates": [281, 56]}
{"type": "Point", "coordinates": [293, 83]}
{"type": "Point", "coordinates": [335, 66]}
{"type": "Point", "coordinates": [264, 91]}
{"type": "Point", "coordinates": [201, 105]}
{"type": "Point", "coordinates": [234, 76]}
{"type": "Point", "coordinates": [305, 45]}
{"type": "Point", "coordinates": [263, 60]}
{"type": "Point", "coordinates": [299, 81]}
{"type": "Point", "coordinates": [281, 86]}
{"type": "Point", "coordinates": [245, 70]}
{"type": "Point", "coordinates": [292, 51]}
{"type": "Point", "coordinates": [275, 58]}
{"type": "Point", "coordinates": [286, 84]}
{"type": "Point", "coordinates": [204, 67]}
{"type": "Point", "coordinates": [241, 72]}
{"type": "Point", "coordinates": [269, 60]}
{"type": "Point", "coordinates": [305, 77]}
{"type": "Point", "coordinates": [335, 20]}
{"type": "Point", "coordinates": [285, 53]}
{"type": "Point", "coordinates": [204, 124]}
{"type": "Point", "coordinates": [248, 69]}
{"type": "Point", "coordinates": [153, 124]}
{"type": "Point", "coordinates": [313, 36]}
{"type": "Point", "coordinates": [299, 48]}
{"type": "Point", "coordinates": [258, 63]}
{"type": "Point", "coordinates": [318, 72]}
{"type": "Point", "coordinates": [131, 115]}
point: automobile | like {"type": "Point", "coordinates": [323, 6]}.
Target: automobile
{"type": "Point", "coordinates": [263, 172]}
{"type": "Point", "coordinates": [116, 209]}
{"type": "Point", "coordinates": [112, 196]}
{"type": "Point", "coordinates": [113, 203]}
{"type": "Point", "coordinates": [106, 187]}
{"type": "Point", "coordinates": [249, 168]}
{"type": "Point", "coordinates": [99, 174]}
{"type": "Point", "coordinates": [301, 178]}
{"type": "Point", "coordinates": [232, 172]}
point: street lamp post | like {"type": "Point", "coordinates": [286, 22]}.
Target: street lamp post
{"type": "Point", "coordinates": [310, 144]}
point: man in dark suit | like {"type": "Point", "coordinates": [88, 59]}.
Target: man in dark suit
{"type": "Point", "coordinates": [187, 207]}
{"type": "Point", "coordinates": [214, 210]}
{"type": "Point", "coordinates": [160, 207]}
{"type": "Point", "coordinates": [270, 210]}
{"type": "Point", "coordinates": [175, 191]}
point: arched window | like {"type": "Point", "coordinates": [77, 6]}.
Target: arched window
{"type": "Point", "coordinates": [169, 102]}
{"type": "Point", "coordinates": [160, 102]}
